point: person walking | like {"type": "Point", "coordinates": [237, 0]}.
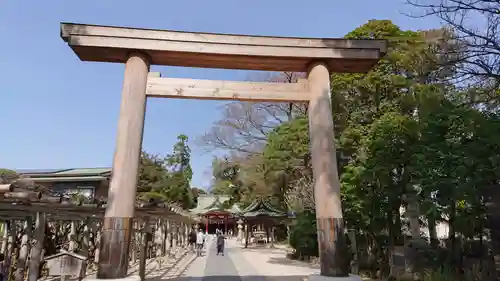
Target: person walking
{"type": "Point", "coordinates": [200, 239]}
{"type": "Point", "coordinates": [220, 244]}
{"type": "Point", "coordinates": [192, 240]}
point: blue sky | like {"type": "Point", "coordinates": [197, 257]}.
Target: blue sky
{"type": "Point", "coordinates": [58, 112]}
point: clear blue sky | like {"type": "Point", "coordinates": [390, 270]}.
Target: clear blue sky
{"type": "Point", "coordinates": [58, 112]}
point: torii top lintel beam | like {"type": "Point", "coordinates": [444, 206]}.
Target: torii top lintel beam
{"type": "Point", "coordinates": [165, 47]}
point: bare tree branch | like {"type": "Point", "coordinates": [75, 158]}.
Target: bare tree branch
{"type": "Point", "coordinates": [300, 195]}
{"type": "Point", "coordinates": [244, 126]}
{"type": "Point", "coordinates": [476, 27]}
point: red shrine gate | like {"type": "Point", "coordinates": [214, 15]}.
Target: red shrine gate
{"type": "Point", "coordinates": [217, 215]}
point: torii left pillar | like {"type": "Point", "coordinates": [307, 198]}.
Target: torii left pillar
{"type": "Point", "coordinates": [117, 225]}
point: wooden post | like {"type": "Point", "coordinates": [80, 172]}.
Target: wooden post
{"type": "Point", "coordinates": [134, 241]}
{"type": "Point", "coordinates": [180, 234]}
{"type": "Point", "coordinates": [225, 225]}
{"type": "Point", "coordinates": [247, 236]}
{"type": "Point", "coordinates": [97, 239]}
{"type": "Point", "coordinates": [188, 231]}
{"type": "Point", "coordinates": [288, 233]}
{"type": "Point", "coordinates": [72, 246]}
{"type": "Point", "coordinates": [157, 238]}
{"type": "Point", "coordinates": [144, 248]}
{"type": "Point", "coordinates": [330, 224]}
{"type": "Point", "coordinates": [168, 226]}
{"type": "Point", "coordinates": [5, 236]}
{"type": "Point", "coordinates": [86, 239]}
{"type": "Point", "coordinates": [175, 239]}
{"type": "Point", "coordinates": [117, 224]}
{"type": "Point", "coordinates": [24, 250]}
{"type": "Point", "coordinates": [272, 236]}
{"type": "Point", "coordinates": [164, 237]}
{"type": "Point", "coordinates": [185, 235]}
{"type": "Point", "coordinates": [37, 247]}
{"type": "Point", "coordinates": [206, 225]}
{"type": "Point", "coordinates": [11, 245]}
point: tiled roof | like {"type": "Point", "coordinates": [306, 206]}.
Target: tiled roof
{"type": "Point", "coordinates": [66, 175]}
{"type": "Point", "coordinates": [207, 203]}
{"type": "Point", "coordinates": [85, 171]}
{"type": "Point", "coordinates": [260, 207]}
{"type": "Point", "coordinates": [77, 172]}
{"type": "Point", "coordinates": [70, 179]}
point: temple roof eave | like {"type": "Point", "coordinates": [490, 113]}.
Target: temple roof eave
{"type": "Point", "coordinates": [264, 214]}
{"type": "Point", "coordinates": [214, 204]}
{"type": "Point", "coordinates": [261, 208]}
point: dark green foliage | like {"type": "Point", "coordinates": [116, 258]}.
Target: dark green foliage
{"type": "Point", "coordinates": [303, 237]}
{"type": "Point", "coordinates": [7, 176]}
{"type": "Point", "coordinates": [413, 151]}
{"type": "Point", "coordinates": [168, 178]}
{"type": "Point", "coordinates": [152, 174]}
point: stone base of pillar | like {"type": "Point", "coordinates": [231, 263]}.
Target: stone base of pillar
{"type": "Point", "coordinates": [317, 277]}
{"type": "Point", "coordinates": [128, 278]}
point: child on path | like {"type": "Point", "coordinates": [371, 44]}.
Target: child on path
{"type": "Point", "coordinates": [200, 239]}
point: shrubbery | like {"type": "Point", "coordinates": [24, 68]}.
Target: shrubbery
{"type": "Point", "coordinates": [303, 236]}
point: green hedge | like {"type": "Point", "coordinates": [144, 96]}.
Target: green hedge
{"type": "Point", "coordinates": [303, 236]}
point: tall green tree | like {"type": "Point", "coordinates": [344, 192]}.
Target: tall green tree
{"type": "Point", "coordinates": [152, 173]}
{"type": "Point", "coordinates": [227, 180]}
{"type": "Point", "coordinates": [406, 140]}
{"type": "Point", "coordinates": [180, 173]}
{"type": "Point", "coordinates": [286, 158]}
{"type": "Point", "coordinates": [196, 193]}
{"type": "Point", "coordinates": [377, 129]}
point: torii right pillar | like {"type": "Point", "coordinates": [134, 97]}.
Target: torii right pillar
{"type": "Point", "coordinates": [333, 251]}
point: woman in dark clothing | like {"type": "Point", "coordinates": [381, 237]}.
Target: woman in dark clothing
{"type": "Point", "coordinates": [192, 240]}
{"type": "Point", "coordinates": [220, 244]}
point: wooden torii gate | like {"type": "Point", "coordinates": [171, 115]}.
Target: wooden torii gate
{"type": "Point", "coordinates": [140, 48]}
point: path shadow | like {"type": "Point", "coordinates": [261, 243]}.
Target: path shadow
{"type": "Point", "coordinates": [287, 261]}
{"type": "Point", "coordinates": [265, 250]}
{"type": "Point", "coordinates": [242, 278]}
{"type": "Point", "coordinates": [164, 273]}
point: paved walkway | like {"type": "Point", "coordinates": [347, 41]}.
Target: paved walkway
{"type": "Point", "coordinates": [240, 264]}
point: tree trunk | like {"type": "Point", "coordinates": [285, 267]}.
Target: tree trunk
{"type": "Point", "coordinates": [452, 235]}
{"type": "Point", "coordinates": [493, 215]}
{"type": "Point", "coordinates": [431, 223]}
{"type": "Point", "coordinates": [354, 250]}
{"type": "Point", "coordinates": [413, 214]}
{"type": "Point", "coordinates": [392, 245]}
